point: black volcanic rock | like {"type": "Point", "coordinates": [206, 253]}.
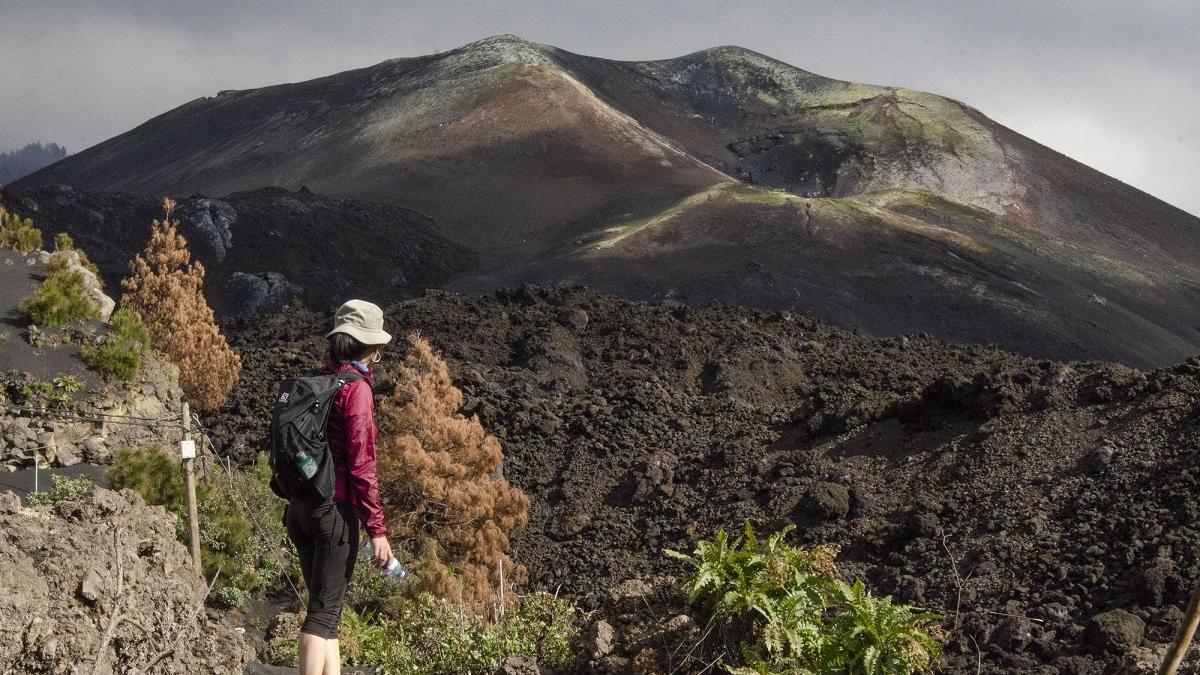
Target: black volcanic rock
{"type": "Point", "coordinates": [212, 218]}
{"type": "Point", "coordinates": [969, 496]}
{"type": "Point", "coordinates": [255, 294]}
{"type": "Point", "coordinates": [261, 248]}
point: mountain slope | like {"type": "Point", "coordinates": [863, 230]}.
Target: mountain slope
{"type": "Point", "coordinates": [771, 124]}
{"type": "Point", "coordinates": [531, 156]}
{"type": "Point", "coordinates": [442, 134]}
{"type": "Point", "coordinates": [260, 248]}
{"type": "Point", "coordinates": [894, 261]}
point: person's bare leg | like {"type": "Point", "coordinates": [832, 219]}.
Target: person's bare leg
{"type": "Point", "coordinates": [313, 654]}
{"type": "Point", "coordinates": [333, 658]}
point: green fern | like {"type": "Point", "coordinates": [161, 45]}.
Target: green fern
{"type": "Point", "coordinates": [804, 620]}
{"type": "Point", "coordinates": [881, 637]}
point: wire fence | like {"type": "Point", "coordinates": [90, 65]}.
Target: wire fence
{"type": "Point", "coordinates": [91, 416]}
{"type": "Point", "coordinates": [209, 455]}
{"type": "Point", "coordinates": [205, 435]}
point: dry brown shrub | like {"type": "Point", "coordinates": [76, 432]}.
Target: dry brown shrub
{"type": "Point", "coordinates": [437, 481]}
{"type": "Point", "coordinates": [166, 290]}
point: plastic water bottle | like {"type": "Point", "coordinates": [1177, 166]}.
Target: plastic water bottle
{"type": "Point", "coordinates": [307, 465]}
{"type": "Point", "coordinates": [393, 569]}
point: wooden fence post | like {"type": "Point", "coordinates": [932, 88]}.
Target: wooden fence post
{"type": "Point", "coordinates": [1183, 638]}
{"type": "Point", "coordinates": [187, 449]}
{"type": "Point", "coordinates": [500, 571]}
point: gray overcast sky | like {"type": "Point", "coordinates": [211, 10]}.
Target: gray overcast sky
{"type": "Point", "coordinates": [1115, 85]}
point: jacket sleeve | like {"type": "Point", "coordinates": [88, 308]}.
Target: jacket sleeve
{"type": "Point", "coordinates": [362, 480]}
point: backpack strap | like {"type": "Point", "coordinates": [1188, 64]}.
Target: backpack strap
{"type": "Point", "coordinates": [342, 376]}
{"type": "Point", "coordinates": [352, 375]}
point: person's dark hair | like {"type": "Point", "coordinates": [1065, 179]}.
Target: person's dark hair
{"type": "Point", "coordinates": [343, 348]}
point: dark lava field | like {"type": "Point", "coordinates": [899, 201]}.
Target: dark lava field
{"type": "Point", "coordinates": [1047, 509]}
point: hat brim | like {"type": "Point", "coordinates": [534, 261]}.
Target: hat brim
{"type": "Point", "coordinates": [367, 337]}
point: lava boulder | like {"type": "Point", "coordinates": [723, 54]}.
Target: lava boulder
{"type": "Point", "coordinates": [823, 501]}
{"type": "Point", "coordinates": [1116, 631]}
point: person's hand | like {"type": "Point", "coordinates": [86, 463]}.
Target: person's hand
{"type": "Point", "coordinates": [381, 551]}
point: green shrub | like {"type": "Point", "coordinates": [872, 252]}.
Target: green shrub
{"type": "Point", "coordinates": [373, 593]}
{"type": "Point", "coordinates": [228, 540]}
{"type": "Point", "coordinates": [128, 326]}
{"type": "Point", "coordinates": [18, 233]}
{"type": "Point", "coordinates": [62, 390]}
{"type": "Point", "coordinates": [56, 264]}
{"type": "Point", "coordinates": [26, 390]}
{"type": "Point", "coordinates": [429, 635]}
{"type": "Point", "coordinates": [63, 242]}
{"type": "Point", "coordinates": [61, 489]}
{"type": "Point", "coordinates": [153, 474]}
{"type": "Point", "coordinates": [260, 561]}
{"type": "Point", "coordinates": [799, 617]}
{"type": "Point", "coordinates": [59, 299]}
{"type": "Point", "coordinates": [285, 651]}
{"type": "Point", "coordinates": [120, 352]}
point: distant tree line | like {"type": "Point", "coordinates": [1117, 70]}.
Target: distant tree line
{"type": "Point", "coordinates": [17, 163]}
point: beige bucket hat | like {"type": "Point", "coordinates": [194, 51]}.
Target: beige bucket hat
{"type": "Point", "coordinates": [362, 321]}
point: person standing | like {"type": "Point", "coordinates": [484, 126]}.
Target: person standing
{"type": "Point", "coordinates": [325, 531]}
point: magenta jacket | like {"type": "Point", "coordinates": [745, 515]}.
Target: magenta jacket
{"type": "Point", "coordinates": [351, 434]}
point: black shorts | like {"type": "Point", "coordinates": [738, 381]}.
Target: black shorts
{"type": "Point", "coordinates": [325, 533]}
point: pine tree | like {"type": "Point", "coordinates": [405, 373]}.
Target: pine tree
{"type": "Point", "coordinates": [439, 488]}
{"type": "Point", "coordinates": [166, 290]}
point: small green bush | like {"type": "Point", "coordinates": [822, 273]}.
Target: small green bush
{"type": "Point", "coordinates": [260, 561]}
{"type": "Point", "coordinates": [799, 616]}
{"type": "Point", "coordinates": [373, 593]}
{"type": "Point", "coordinates": [64, 242]}
{"type": "Point", "coordinates": [226, 506]}
{"type": "Point", "coordinates": [120, 352]}
{"type": "Point", "coordinates": [18, 233]}
{"type": "Point", "coordinates": [56, 264]}
{"type": "Point", "coordinates": [67, 382]}
{"type": "Point", "coordinates": [26, 390]}
{"type": "Point", "coordinates": [151, 473]}
{"type": "Point", "coordinates": [62, 488]}
{"type": "Point", "coordinates": [59, 299]}
{"type": "Point", "coordinates": [63, 389]}
{"type": "Point", "coordinates": [433, 636]}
